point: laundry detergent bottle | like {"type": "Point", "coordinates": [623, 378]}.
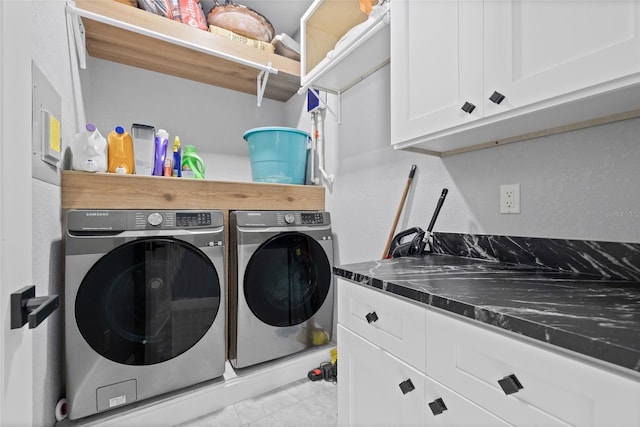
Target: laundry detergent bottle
{"type": "Point", "coordinates": [89, 150]}
{"type": "Point", "coordinates": [192, 164]}
{"type": "Point", "coordinates": [162, 140]}
{"type": "Point", "coordinates": [121, 158]}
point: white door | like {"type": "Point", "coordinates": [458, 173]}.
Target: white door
{"type": "Point", "coordinates": [370, 387]}
{"type": "Point", "coordinates": [538, 49]}
{"type": "Point", "coordinates": [16, 389]}
{"type": "Point", "coordinates": [436, 66]}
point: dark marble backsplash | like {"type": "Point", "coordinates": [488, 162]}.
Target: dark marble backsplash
{"type": "Point", "coordinates": [614, 260]}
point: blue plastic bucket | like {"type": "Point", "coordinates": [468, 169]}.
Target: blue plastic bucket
{"type": "Point", "coordinates": [277, 154]}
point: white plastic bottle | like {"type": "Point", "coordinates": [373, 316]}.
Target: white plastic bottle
{"type": "Point", "coordinates": [89, 150]}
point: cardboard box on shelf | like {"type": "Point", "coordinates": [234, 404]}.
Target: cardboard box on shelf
{"type": "Point", "coordinates": [258, 44]}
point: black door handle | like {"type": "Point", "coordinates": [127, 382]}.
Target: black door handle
{"type": "Point", "coordinates": [371, 317]}
{"type": "Point", "coordinates": [496, 97]}
{"type": "Point", "coordinates": [468, 107]}
{"type": "Point", "coordinates": [25, 307]}
{"type": "Point", "coordinates": [406, 386]}
{"type": "Point", "coordinates": [510, 384]}
{"type": "Point", "coordinates": [437, 406]}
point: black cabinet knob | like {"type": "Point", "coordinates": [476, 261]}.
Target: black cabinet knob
{"type": "Point", "coordinates": [510, 384]}
{"type": "Point", "coordinates": [406, 386]}
{"type": "Point", "coordinates": [468, 107]}
{"type": "Point", "coordinates": [437, 406]}
{"type": "Point", "coordinates": [371, 317]}
{"type": "Point", "coordinates": [496, 97]}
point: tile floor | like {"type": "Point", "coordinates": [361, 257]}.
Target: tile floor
{"type": "Point", "coordinates": [302, 403]}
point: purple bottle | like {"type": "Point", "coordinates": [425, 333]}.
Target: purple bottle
{"type": "Point", "coordinates": [161, 143]}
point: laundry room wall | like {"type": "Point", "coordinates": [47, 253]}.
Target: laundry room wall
{"type": "Point", "coordinates": [575, 185]}
{"type": "Point", "coordinates": [51, 55]}
{"type": "Point", "coordinates": [209, 117]}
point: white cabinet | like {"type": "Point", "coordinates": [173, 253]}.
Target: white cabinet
{"type": "Point", "coordinates": [377, 384]}
{"type": "Point", "coordinates": [369, 381]}
{"type": "Point", "coordinates": [556, 64]}
{"type": "Point", "coordinates": [536, 50]}
{"type": "Point", "coordinates": [470, 374]}
{"type": "Point", "coordinates": [436, 53]}
{"type": "Point", "coordinates": [394, 325]}
{"type": "Point", "coordinates": [557, 390]}
{"type": "Point", "coordinates": [340, 44]}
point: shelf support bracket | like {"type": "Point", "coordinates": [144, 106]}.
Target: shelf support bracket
{"type": "Point", "coordinates": [337, 115]}
{"type": "Point", "coordinates": [77, 29]}
{"type": "Point", "coordinates": [262, 78]}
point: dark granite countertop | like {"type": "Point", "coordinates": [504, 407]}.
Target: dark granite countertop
{"type": "Point", "coordinates": [587, 314]}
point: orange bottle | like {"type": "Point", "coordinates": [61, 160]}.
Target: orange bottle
{"type": "Point", "coordinates": [121, 158]}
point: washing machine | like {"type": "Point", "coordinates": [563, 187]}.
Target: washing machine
{"type": "Point", "coordinates": [281, 290]}
{"type": "Point", "coordinates": [144, 304]}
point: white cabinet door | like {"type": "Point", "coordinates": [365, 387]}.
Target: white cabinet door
{"type": "Point", "coordinates": [446, 408]}
{"type": "Point", "coordinates": [369, 391]}
{"type": "Point", "coordinates": [556, 389]}
{"type": "Point", "coordinates": [392, 324]}
{"type": "Point", "coordinates": [436, 66]}
{"type": "Point", "coordinates": [536, 50]}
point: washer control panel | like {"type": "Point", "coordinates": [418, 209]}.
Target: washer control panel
{"type": "Point", "coordinates": [168, 220]}
{"type": "Point", "coordinates": [312, 218]}
{"type": "Point", "coordinates": [193, 219]}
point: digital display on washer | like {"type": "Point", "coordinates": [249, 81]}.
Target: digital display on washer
{"type": "Point", "coordinates": [312, 218]}
{"type": "Point", "coordinates": [193, 219]}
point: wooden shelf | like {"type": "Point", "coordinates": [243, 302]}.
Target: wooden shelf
{"type": "Point", "coordinates": [121, 33]}
{"type": "Point", "coordinates": [83, 190]}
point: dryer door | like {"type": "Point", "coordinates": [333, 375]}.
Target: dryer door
{"type": "Point", "coordinates": [287, 279]}
{"type": "Point", "coordinates": [148, 301]}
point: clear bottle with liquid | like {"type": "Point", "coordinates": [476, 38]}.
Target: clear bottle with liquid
{"type": "Point", "coordinates": [121, 158]}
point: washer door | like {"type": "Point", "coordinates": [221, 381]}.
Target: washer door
{"type": "Point", "coordinates": [148, 301]}
{"type": "Point", "coordinates": [287, 279]}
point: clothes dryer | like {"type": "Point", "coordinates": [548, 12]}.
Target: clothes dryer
{"type": "Point", "coordinates": [281, 291]}
{"type": "Point", "coordinates": [144, 304]}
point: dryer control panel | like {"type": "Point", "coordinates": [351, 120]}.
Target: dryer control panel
{"type": "Point", "coordinates": [281, 218]}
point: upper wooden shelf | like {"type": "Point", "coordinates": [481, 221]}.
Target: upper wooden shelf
{"type": "Point", "coordinates": [121, 33]}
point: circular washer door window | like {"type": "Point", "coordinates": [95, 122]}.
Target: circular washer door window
{"type": "Point", "coordinates": [148, 301]}
{"type": "Point", "coordinates": [287, 279]}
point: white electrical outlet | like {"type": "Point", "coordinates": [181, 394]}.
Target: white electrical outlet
{"type": "Point", "coordinates": [510, 199]}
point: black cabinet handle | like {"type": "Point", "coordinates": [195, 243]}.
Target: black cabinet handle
{"type": "Point", "coordinates": [406, 386]}
{"type": "Point", "coordinates": [468, 107]}
{"type": "Point", "coordinates": [371, 317]}
{"type": "Point", "coordinates": [496, 97]}
{"type": "Point", "coordinates": [510, 384]}
{"type": "Point", "coordinates": [437, 406]}
{"type": "Point", "coordinates": [25, 307]}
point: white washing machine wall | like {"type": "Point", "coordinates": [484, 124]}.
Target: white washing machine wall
{"type": "Point", "coordinates": [281, 292]}
{"type": "Point", "coordinates": [144, 304]}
